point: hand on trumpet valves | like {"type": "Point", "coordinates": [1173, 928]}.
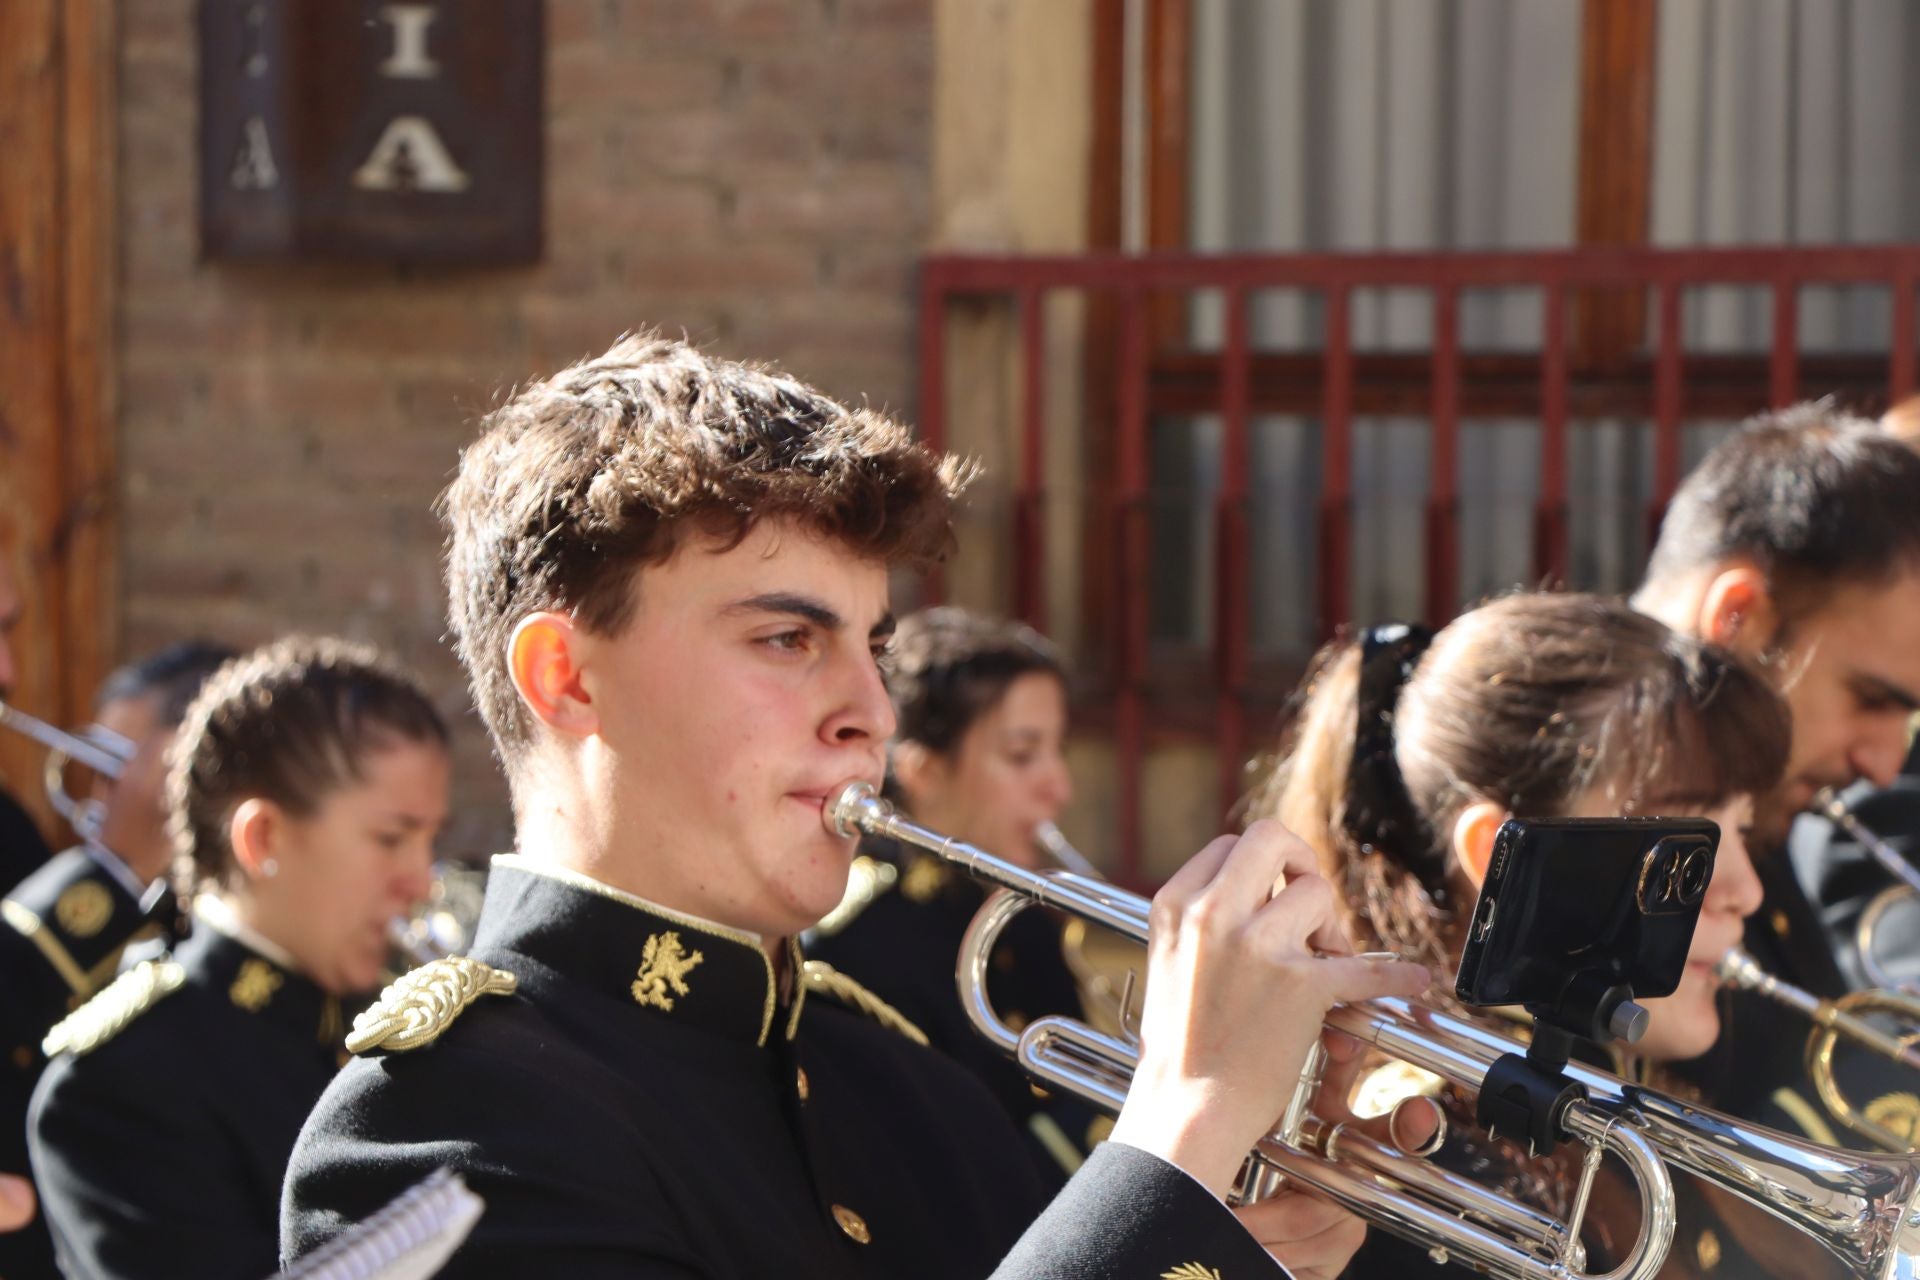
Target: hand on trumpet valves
{"type": "Point", "coordinates": [1241, 974]}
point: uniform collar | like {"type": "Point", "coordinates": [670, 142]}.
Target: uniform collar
{"type": "Point", "coordinates": [661, 962]}
{"type": "Point", "coordinates": [240, 967]}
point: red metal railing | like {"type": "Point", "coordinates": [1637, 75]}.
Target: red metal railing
{"type": "Point", "coordinates": [1134, 284]}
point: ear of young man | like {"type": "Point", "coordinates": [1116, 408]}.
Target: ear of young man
{"type": "Point", "coordinates": [1737, 609]}
{"type": "Point", "coordinates": [547, 657]}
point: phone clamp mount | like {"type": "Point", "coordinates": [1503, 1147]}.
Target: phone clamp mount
{"type": "Point", "coordinates": [1528, 1094]}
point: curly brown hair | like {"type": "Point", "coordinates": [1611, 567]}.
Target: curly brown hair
{"type": "Point", "coordinates": [578, 482]}
{"type": "Point", "coordinates": [290, 722]}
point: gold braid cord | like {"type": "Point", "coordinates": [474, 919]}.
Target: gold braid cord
{"type": "Point", "coordinates": [828, 981]}
{"type": "Point", "coordinates": [415, 1009]}
{"type": "Point", "coordinates": [119, 1003]}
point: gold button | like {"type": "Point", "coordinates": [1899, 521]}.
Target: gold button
{"type": "Point", "coordinates": [1707, 1250]}
{"type": "Point", "coordinates": [1780, 923]}
{"type": "Point", "coordinates": [800, 1083]}
{"type": "Point", "coordinates": [853, 1224]}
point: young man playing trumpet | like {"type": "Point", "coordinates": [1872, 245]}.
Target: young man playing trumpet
{"type": "Point", "coordinates": [669, 586]}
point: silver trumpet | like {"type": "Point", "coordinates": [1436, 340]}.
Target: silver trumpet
{"type": "Point", "coordinates": [96, 748]}
{"type": "Point", "coordinates": [1904, 889]}
{"type": "Point", "coordinates": [1864, 1209]}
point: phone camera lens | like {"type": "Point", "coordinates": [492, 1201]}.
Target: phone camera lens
{"type": "Point", "coordinates": [1695, 871]}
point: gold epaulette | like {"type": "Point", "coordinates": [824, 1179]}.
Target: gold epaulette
{"type": "Point", "coordinates": [419, 1005]}
{"type": "Point", "coordinates": [118, 1003]}
{"type": "Point", "coordinates": [823, 979]}
{"type": "Point", "coordinates": [867, 881]}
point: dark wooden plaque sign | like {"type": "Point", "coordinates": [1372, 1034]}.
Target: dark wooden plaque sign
{"type": "Point", "coordinates": [365, 129]}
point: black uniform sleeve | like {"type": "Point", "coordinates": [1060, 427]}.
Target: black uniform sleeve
{"type": "Point", "coordinates": [1129, 1213]}
{"type": "Point", "coordinates": [128, 1185]}
{"type": "Point", "coordinates": [555, 1182]}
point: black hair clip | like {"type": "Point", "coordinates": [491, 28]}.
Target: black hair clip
{"type": "Point", "coordinates": [1380, 816]}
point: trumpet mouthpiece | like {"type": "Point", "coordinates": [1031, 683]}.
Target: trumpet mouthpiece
{"type": "Point", "coordinates": [841, 813]}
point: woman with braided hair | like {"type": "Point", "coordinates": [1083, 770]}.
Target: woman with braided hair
{"type": "Point", "coordinates": [305, 790]}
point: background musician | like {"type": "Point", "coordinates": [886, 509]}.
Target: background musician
{"type": "Point", "coordinates": [978, 755]}
{"type": "Point", "coordinates": [1796, 542]}
{"type": "Point", "coordinates": [1534, 705]}
{"type": "Point", "coordinates": [23, 848]}
{"type": "Point", "coordinates": [669, 583]}
{"type": "Point", "coordinates": [305, 792]}
{"type": "Point", "coordinates": [67, 923]}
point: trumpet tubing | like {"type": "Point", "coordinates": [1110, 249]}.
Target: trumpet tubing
{"type": "Point", "coordinates": [1398, 1193]}
{"type": "Point", "coordinates": [1864, 1209]}
{"type": "Point", "coordinates": [96, 747]}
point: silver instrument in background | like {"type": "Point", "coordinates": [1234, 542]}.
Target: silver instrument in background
{"type": "Point", "coordinates": [1834, 1021]}
{"type": "Point", "coordinates": [444, 923]}
{"type": "Point", "coordinates": [1905, 889]}
{"type": "Point", "coordinates": [96, 748]}
{"type": "Point", "coordinates": [1054, 843]}
{"type": "Point", "coordinates": [1863, 1209]}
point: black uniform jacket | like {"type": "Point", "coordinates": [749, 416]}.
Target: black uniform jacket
{"type": "Point", "coordinates": [23, 850]}
{"type": "Point", "coordinates": [903, 945]}
{"type": "Point", "coordinates": [646, 1104]}
{"type": "Point", "coordinates": [62, 930]}
{"type": "Point", "coordinates": [160, 1151]}
{"type": "Point", "coordinates": [1758, 1068]}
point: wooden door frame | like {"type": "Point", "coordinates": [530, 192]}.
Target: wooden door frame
{"type": "Point", "coordinates": [59, 63]}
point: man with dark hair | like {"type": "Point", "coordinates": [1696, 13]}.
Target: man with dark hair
{"type": "Point", "coordinates": [669, 586]}
{"type": "Point", "coordinates": [1797, 541]}
{"type": "Point", "coordinates": [67, 924]}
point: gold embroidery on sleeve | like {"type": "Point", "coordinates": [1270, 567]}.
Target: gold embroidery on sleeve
{"type": "Point", "coordinates": [1190, 1271]}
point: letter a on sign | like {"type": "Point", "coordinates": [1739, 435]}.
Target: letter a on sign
{"type": "Point", "coordinates": [410, 156]}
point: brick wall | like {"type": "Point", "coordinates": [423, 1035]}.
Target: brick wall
{"type": "Point", "coordinates": [755, 172]}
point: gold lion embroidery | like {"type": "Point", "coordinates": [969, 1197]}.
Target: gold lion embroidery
{"type": "Point", "coordinates": [1898, 1112]}
{"type": "Point", "coordinates": [664, 967]}
{"type": "Point", "coordinates": [255, 985]}
{"type": "Point", "coordinates": [1191, 1271]}
{"type": "Point", "coordinates": [83, 910]}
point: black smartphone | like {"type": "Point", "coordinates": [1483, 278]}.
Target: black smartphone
{"type": "Point", "coordinates": [1612, 899]}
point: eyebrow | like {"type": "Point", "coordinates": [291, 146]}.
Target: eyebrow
{"type": "Point", "coordinates": [806, 607]}
{"type": "Point", "coordinates": [1876, 689]}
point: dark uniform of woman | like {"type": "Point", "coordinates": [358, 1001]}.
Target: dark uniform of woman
{"type": "Point", "coordinates": [163, 1124]}
{"type": "Point", "coordinates": [643, 1099]}
{"type": "Point", "coordinates": [66, 926]}
{"type": "Point", "coordinates": [902, 945]}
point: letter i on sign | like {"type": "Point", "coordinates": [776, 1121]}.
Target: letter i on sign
{"type": "Point", "coordinates": [409, 155]}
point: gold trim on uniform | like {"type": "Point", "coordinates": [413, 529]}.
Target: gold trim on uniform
{"type": "Point", "coordinates": [107, 1014]}
{"type": "Point", "coordinates": [29, 926]}
{"type": "Point", "coordinates": [829, 981]}
{"type": "Point", "coordinates": [566, 875]}
{"type": "Point", "coordinates": [1898, 1112]}
{"type": "Point", "coordinates": [867, 881]}
{"type": "Point", "coordinates": [254, 985]}
{"type": "Point", "coordinates": [1706, 1250]}
{"type": "Point", "coordinates": [83, 909]}
{"type": "Point", "coordinates": [1190, 1271]}
{"type": "Point", "coordinates": [853, 1224]}
{"type": "Point", "coordinates": [664, 967]}
{"type": "Point", "coordinates": [1804, 1114]}
{"type": "Point", "coordinates": [419, 1005]}
{"type": "Point", "coordinates": [800, 1084]}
